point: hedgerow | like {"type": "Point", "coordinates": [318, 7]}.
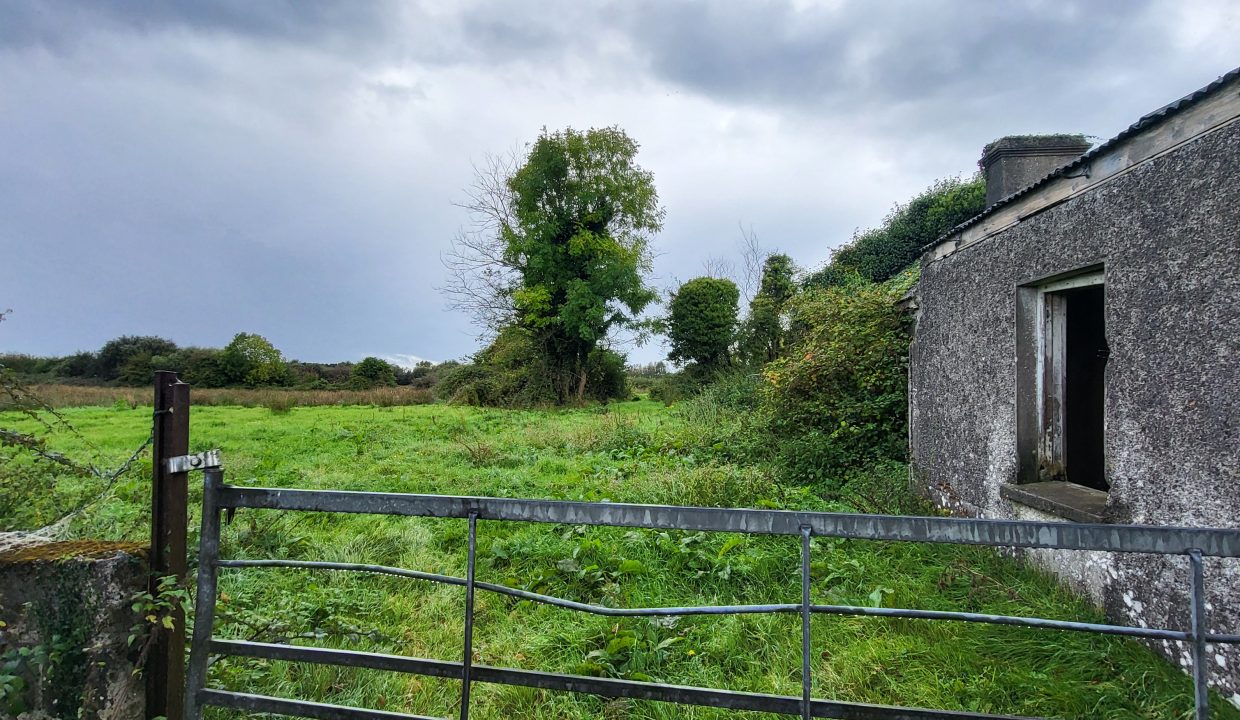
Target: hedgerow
{"type": "Point", "coordinates": [837, 400]}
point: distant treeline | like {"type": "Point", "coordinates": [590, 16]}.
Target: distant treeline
{"type": "Point", "coordinates": [248, 361]}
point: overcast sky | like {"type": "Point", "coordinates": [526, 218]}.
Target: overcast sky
{"type": "Point", "coordinates": [194, 169]}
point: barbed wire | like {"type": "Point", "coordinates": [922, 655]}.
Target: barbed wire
{"type": "Point", "coordinates": [37, 447]}
{"type": "Point", "coordinates": [22, 400]}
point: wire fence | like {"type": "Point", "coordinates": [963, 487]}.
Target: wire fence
{"type": "Point", "coordinates": [18, 397]}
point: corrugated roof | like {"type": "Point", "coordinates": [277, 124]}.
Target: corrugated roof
{"type": "Point", "coordinates": [1145, 122]}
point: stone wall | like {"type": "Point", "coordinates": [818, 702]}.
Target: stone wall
{"type": "Point", "coordinates": [1167, 233]}
{"type": "Point", "coordinates": [69, 604]}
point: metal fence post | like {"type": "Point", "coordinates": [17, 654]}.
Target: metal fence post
{"type": "Point", "coordinates": [165, 667]}
{"type": "Point", "coordinates": [807, 679]}
{"type": "Point", "coordinates": [1197, 615]}
{"type": "Point", "coordinates": [204, 601]}
{"type": "Point", "coordinates": [468, 662]}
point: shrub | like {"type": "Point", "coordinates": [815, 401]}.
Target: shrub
{"type": "Point", "coordinates": [510, 372]}
{"type": "Point", "coordinates": [838, 400]}
{"type": "Point", "coordinates": [253, 360]}
{"type": "Point", "coordinates": [736, 391]}
{"type": "Point", "coordinates": [605, 376]}
{"type": "Point", "coordinates": [372, 372]}
{"type": "Point", "coordinates": [675, 387]}
{"type": "Point", "coordinates": [881, 489]}
{"type": "Point", "coordinates": [881, 253]}
{"type": "Point", "coordinates": [116, 354]}
{"type": "Point", "coordinates": [506, 373]}
{"type": "Point", "coordinates": [701, 322]}
{"type": "Point", "coordinates": [200, 367]}
{"type": "Point", "coordinates": [79, 365]}
{"type": "Point", "coordinates": [458, 385]}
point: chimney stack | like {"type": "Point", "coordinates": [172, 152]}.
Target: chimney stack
{"type": "Point", "coordinates": [1015, 162]}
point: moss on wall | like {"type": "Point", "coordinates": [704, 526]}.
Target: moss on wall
{"type": "Point", "coordinates": [67, 609]}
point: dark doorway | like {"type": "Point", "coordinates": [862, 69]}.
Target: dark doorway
{"type": "Point", "coordinates": [1084, 386]}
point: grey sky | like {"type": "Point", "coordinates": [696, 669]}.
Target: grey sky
{"type": "Point", "coordinates": [193, 169]}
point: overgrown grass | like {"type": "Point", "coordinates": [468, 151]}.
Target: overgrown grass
{"type": "Point", "coordinates": [638, 452]}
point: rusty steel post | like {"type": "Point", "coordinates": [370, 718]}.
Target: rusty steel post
{"type": "Point", "coordinates": [165, 667]}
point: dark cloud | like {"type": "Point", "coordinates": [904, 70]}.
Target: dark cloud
{"type": "Point", "coordinates": [341, 25]}
{"type": "Point", "coordinates": [867, 54]}
{"type": "Point", "coordinates": [195, 169]}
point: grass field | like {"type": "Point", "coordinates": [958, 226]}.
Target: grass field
{"type": "Point", "coordinates": [638, 452]}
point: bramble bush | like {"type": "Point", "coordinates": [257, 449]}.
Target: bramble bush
{"type": "Point", "coordinates": [837, 400]}
{"type": "Point", "coordinates": [506, 373]}
{"type": "Point", "coordinates": [511, 372]}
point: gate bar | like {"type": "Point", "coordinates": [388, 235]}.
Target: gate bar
{"type": "Point", "coordinates": [606, 687]}
{"type": "Point", "coordinates": [468, 661]}
{"type": "Point", "coordinates": [672, 611]}
{"type": "Point", "coordinates": [961, 531]}
{"type": "Point", "coordinates": [299, 708]}
{"type": "Point", "coordinates": [1194, 542]}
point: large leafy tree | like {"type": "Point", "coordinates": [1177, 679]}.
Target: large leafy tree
{"type": "Point", "coordinates": [701, 322]}
{"type": "Point", "coordinates": [763, 335]}
{"type": "Point", "coordinates": [253, 360]}
{"type": "Point", "coordinates": [559, 246]}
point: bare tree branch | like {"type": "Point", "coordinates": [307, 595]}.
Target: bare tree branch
{"type": "Point", "coordinates": [753, 255]}
{"type": "Point", "coordinates": [481, 275]}
{"type": "Point", "coordinates": [718, 267]}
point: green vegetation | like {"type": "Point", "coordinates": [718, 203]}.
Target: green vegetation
{"type": "Point", "coordinates": [882, 253]}
{"type": "Point", "coordinates": [802, 405]}
{"type": "Point", "coordinates": [822, 365]}
{"type": "Point", "coordinates": [130, 355]}
{"type": "Point", "coordinates": [762, 339]}
{"type": "Point", "coordinates": [557, 261]}
{"type": "Point", "coordinates": [837, 400]}
{"type": "Point", "coordinates": [639, 452]}
{"type": "Point", "coordinates": [701, 323]}
{"type": "Point", "coordinates": [508, 372]}
{"type": "Point", "coordinates": [372, 372]}
{"type": "Point", "coordinates": [252, 360]}
{"type": "Point", "coordinates": [248, 361]}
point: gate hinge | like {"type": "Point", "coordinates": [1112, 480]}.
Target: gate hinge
{"type": "Point", "coordinates": [185, 463]}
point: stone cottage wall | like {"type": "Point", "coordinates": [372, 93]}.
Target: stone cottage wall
{"type": "Point", "coordinates": [1168, 235]}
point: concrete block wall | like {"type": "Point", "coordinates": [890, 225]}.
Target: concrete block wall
{"type": "Point", "coordinates": [70, 605]}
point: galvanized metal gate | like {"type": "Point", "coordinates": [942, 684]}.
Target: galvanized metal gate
{"type": "Point", "coordinates": [1191, 543]}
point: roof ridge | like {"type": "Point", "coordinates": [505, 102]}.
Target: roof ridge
{"type": "Point", "coordinates": [1144, 122]}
